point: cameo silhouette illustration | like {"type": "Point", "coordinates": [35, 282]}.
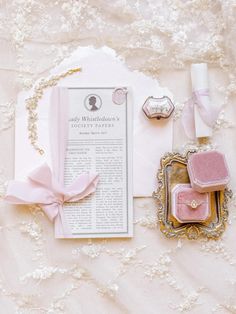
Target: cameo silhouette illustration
{"type": "Point", "coordinates": [93, 102]}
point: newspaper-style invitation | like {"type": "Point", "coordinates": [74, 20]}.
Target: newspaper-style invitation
{"type": "Point", "coordinates": [100, 141]}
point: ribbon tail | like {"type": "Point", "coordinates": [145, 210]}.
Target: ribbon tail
{"type": "Point", "coordinates": [187, 119]}
{"type": "Point", "coordinates": [42, 175]}
{"type": "Point", "coordinates": [208, 112]}
{"type": "Point", "coordinates": [209, 116]}
{"type": "Point", "coordinates": [51, 210]}
{"type": "Point", "coordinates": [26, 193]}
{"type": "Point", "coordinates": [84, 185]}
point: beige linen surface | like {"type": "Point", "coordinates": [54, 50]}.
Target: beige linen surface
{"type": "Point", "coordinates": [148, 274]}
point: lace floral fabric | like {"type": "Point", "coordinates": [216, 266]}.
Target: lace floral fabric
{"type": "Point", "coordinates": [147, 274]}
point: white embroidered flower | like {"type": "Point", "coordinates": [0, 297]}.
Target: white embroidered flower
{"type": "Point", "coordinates": [222, 122]}
{"type": "Point", "coordinates": [179, 38]}
{"type": "Point", "coordinates": [157, 44]}
{"type": "Point", "coordinates": [92, 250]}
{"type": "Point", "coordinates": [78, 273]}
{"type": "Point", "coordinates": [43, 273]}
{"type": "Point", "coordinates": [110, 290]}
{"type": "Point", "coordinates": [32, 229]}
{"type": "Point", "coordinates": [7, 112]}
{"type": "Point", "coordinates": [188, 303]}
{"type": "Point", "coordinates": [149, 221]}
{"type": "Point", "coordinates": [128, 256]}
{"type": "Point", "coordinates": [219, 249]}
{"type": "Point", "coordinates": [159, 268]}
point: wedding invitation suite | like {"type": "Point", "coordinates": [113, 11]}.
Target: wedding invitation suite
{"type": "Point", "coordinates": [93, 133]}
{"type": "Point", "coordinates": [100, 141]}
{"type": "Point", "coordinates": [151, 138]}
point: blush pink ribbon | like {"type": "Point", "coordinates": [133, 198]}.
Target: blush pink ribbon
{"type": "Point", "coordinates": [45, 186]}
{"type": "Point", "coordinates": [42, 188]}
{"type": "Point", "coordinates": [208, 114]}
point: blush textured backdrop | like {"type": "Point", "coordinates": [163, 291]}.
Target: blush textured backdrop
{"type": "Point", "coordinates": [148, 274]}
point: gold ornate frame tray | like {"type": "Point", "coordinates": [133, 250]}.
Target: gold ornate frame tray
{"type": "Point", "coordinates": [173, 171]}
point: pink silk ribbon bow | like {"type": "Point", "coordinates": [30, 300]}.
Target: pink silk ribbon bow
{"type": "Point", "coordinates": [208, 114]}
{"type": "Point", "coordinates": [42, 188]}
{"type": "Point", "coordinates": [45, 186]}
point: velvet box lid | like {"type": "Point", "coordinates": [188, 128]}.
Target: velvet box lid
{"type": "Point", "coordinates": [208, 171]}
{"type": "Point", "coordinates": [189, 205]}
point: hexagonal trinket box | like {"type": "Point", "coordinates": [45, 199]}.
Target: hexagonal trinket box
{"type": "Point", "coordinates": [159, 108]}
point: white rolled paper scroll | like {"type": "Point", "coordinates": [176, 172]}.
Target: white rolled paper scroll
{"type": "Point", "coordinates": [199, 77]}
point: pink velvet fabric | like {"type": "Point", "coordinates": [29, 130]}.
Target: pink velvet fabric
{"type": "Point", "coordinates": [182, 196]}
{"type": "Point", "coordinates": [208, 171]}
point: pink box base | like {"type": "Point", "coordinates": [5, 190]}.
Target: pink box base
{"type": "Point", "coordinates": [189, 205]}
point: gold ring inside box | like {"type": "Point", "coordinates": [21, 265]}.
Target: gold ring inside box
{"type": "Point", "coordinates": [194, 204]}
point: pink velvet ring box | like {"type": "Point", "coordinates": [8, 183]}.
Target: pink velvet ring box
{"type": "Point", "coordinates": [188, 205]}
{"type": "Point", "coordinates": [208, 171]}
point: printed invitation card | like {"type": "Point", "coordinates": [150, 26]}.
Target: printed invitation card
{"type": "Point", "coordinates": [100, 141]}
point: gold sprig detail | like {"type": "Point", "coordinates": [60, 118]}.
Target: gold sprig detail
{"type": "Point", "coordinates": [32, 105]}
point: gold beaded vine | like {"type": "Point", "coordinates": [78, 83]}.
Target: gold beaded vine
{"type": "Point", "coordinates": [32, 104]}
